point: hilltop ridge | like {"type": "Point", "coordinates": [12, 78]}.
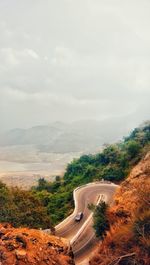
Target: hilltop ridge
{"type": "Point", "coordinates": [58, 137]}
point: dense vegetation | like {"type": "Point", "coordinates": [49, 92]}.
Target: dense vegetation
{"type": "Point", "coordinates": [22, 208]}
{"type": "Point", "coordinates": [54, 201]}
{"type": "Point", "coordinates": [113, 164]}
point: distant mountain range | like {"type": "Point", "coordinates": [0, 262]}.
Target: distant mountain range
{"type": "Point", "coordinates": [61, 137]}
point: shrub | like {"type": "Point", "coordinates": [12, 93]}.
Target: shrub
{"type": "Point", "coordinates": [22, 208]}
{"type": "Point", "coordinates": [101, 223]}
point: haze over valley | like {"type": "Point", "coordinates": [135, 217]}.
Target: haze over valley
{"type": "Point", "coordinates": [44, 151]}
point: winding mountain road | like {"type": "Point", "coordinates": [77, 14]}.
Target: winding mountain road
{"type": "Point", "coordinates": [81, 234]}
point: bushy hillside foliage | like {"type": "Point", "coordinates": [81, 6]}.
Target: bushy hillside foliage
{"type": "Point", "coordinates": [128, 240]}
{"type": "Point", "coordinates": [112, 164]}
{"type": "Point", "coordinates": [22, 208]}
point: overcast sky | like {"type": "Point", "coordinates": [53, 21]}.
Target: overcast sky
{"type": "Point", "coordinates": [74, 59]}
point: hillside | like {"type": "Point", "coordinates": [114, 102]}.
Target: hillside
{"type": "Point", "coordinates": [128, 241]}
{"type": "Point", "coordinates": [28, 246]}
{"type": "Point", "coordinates": [55, 199]}
{"type": "Point", "coordinates": [22, 208]}
{"type": "Point", "coordinates": [113, 164]}
{"type": "Point", "coordinates": [48, 203]}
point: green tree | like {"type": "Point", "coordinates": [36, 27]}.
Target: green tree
{"type": "Point", "coordinates": [101, 223]}
{"type": "Point", "coordinates": [22, 208]}
{"type": "Point", "coordinates": [133, 148]}
{"type": "Point", "coordinates": [41, 184]}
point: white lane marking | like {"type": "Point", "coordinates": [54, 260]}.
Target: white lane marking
{"type": "Point", "coordinates": [59, 226]}
{"type": "Point", "coordinates": [75, 224]}
{"type": "Point", "coordinates": [73, 240]}
{"type": "Point", "coordinates": [65, 221]}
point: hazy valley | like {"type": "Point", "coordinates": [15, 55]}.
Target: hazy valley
{"type": "Point", "coordinates": [28, 154]}
{"type": "Point", "coordinates": [23, 165]}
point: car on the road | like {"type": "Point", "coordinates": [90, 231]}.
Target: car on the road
{"type": "Point", "coordinates": [79, 216]}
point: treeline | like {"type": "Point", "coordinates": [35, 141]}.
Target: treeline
{"type": "Point", "coordinates": [113, 164]}
{"type": "Point", "coordinates": [22, 208]}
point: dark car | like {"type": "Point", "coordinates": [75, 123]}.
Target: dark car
{"type": "Point", "coordinates": [79, 216]}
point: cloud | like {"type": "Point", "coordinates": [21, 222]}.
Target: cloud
{"type": "Point", "coordinates": [12, 57]}
{"type": "Point", "coordinates": [71, 59]}
{"type": "Point", "coordinates": [62, 57]}
{"type": "Point", "coordinates": [8, 57]}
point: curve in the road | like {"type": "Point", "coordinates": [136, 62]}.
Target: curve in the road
{"type": "Point", "coordinates": [81, 235]}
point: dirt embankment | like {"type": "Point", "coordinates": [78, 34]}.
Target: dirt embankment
{"type": "Point", "coordinates": [29, 246]}
{"type": "Point", "coordinates": [128, 241]}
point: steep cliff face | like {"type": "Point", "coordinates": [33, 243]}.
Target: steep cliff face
{"type": "Point", "coordinates": [128, 241]}
{"type": "Point", "coordinates": [28, 246]}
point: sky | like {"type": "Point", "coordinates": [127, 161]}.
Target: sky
{"type": "Point", "coordinates": [67, 60]}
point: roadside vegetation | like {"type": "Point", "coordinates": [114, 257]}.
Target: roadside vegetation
{"type": "Point", "coordinates": [49, 203]}
{"type": "Point", "coordinates": [113, 164]}
{"type": "Point", "coordinates": [22, 208]}
{"type": "Point", "coordinates": [128, 238]}
{"type": "Point", "coordinates": [100, 219]}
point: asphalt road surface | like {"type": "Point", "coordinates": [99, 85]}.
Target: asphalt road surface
{"type": "Point", "coordinates": [81, 234]}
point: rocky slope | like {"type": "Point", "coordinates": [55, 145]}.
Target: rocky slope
{"type": "Point", "coordinates": [128, 241]}
{"type": "Point", "coordinates": [28, 246]}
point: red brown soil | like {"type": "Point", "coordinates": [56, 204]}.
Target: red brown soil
{"type": "Point", "coordinates": [20, 246]}
{"type": "Point", "coordinates": [132, 201]}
